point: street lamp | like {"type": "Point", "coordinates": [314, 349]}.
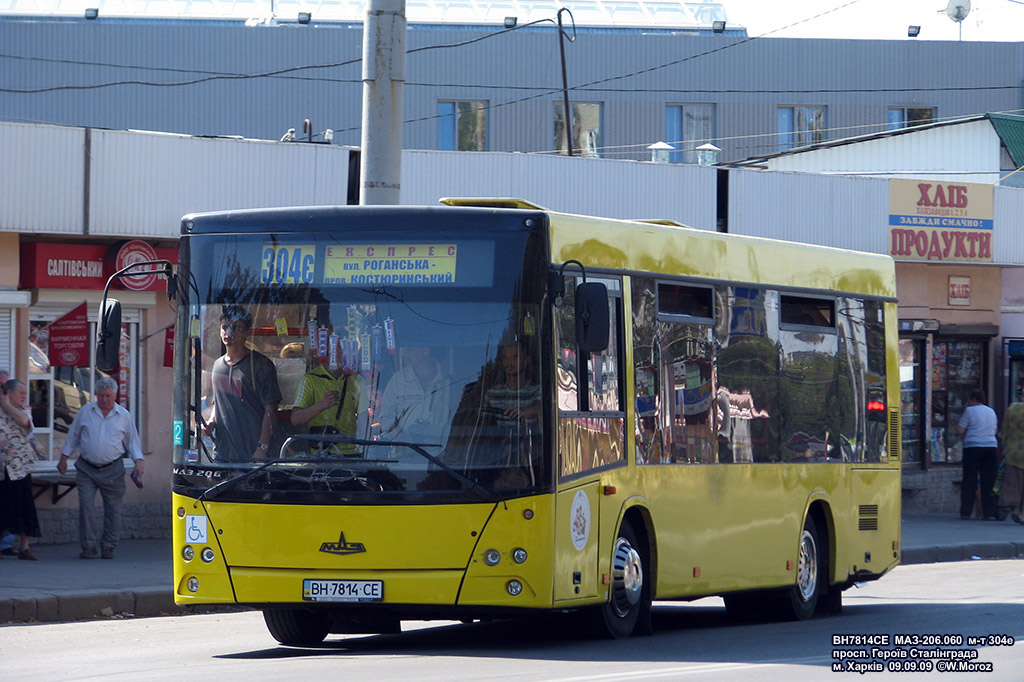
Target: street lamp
{"type": "Point", "coordinates": [913, 31]}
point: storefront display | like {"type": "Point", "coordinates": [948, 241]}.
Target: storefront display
{"type": "Point", "coordinates": [912, 399]}
{"type": "Point", "coordinates": [956, 369]}
{"type": "Point", "coordinates": [1015, 379]}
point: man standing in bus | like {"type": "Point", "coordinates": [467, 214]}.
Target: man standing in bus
{"type": "Point", "coordinates": [244, 393]}
{"type": "Point", "coordinates": [330, 400]}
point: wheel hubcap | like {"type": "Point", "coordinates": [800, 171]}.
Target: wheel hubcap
{"type": "Point", "coordinates": [807, 570]}
{"type": "Point", "coordinates": [627, 577]}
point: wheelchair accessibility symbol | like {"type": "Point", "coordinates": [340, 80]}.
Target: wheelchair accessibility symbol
{"type": "Point", "coordinates": [195, 529]}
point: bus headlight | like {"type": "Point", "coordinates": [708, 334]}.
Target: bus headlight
{"type": "Point", "coordinates": [519, 555]}
{"type": "Point", "coordinates": [187, 553]}
{"type": "Point", "coordinates": [193, 584]}
{"type": "Point", "coordinates": [492, 557]}
{"type": "Point", "coordinates": [514, 587]}
{"type": "Point", "coordinates": [206, 555]}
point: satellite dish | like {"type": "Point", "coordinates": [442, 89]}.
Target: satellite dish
{"type": "Point", "coordinates": [957, 10]}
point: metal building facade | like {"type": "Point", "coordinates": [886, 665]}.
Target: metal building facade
{"type": "Point", "coordinates": [63, 71]}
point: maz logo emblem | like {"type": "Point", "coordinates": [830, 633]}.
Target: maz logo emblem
{"type": "Point", "coordinates": [342, 546]}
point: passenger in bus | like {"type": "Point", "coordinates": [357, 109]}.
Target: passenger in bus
{"type": "Point", "coordinates": [417, 404]}
{"type": "Point", "coordinates": [244, 393]}
{"type": "Point", "coordinates": [331, 401]}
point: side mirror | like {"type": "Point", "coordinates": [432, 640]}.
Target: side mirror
{"type": "Point", "coordinates": [109, 336]}
{"type": "Point", "coordinates": [592, 323]}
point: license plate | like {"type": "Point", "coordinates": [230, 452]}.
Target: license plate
{"type": "Point", "coordinates": [343, 590]}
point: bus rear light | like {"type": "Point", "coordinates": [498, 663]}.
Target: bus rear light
{"type": "Point", "coordinates": [876, 406]}
{"type": "Point", "coordinates": [519, 555]}
{"type": "Point", "coordinates": [514, 587]}
{"type": "Point", "coordinates": [492, 557]}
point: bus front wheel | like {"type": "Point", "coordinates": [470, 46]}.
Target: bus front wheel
{"type": "Point", "coordinates": [297, 627]}
{"type": "Point", "coordinates": [630, 598]}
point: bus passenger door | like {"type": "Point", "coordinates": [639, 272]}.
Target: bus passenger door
{"type": "Point", "coordinates": [576, 543]}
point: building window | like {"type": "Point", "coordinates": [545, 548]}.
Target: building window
{"type": "Point", "coordinates": [687, 126]}
{"type": "Point", "coordinates": [462, 126]}
{"type": "Point", "coordinates": [586, 128]}
{"type": "Point", "coordinates": [801, 126]}
{"type": "Point", "coordinates": [908, 117]}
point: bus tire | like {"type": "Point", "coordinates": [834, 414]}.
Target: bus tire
{"type": "Point", "coordinates": [801, 599]}
{"type": "Point", "coordinates": [297, 627]}
{"type": "Point", "coordinates": [630, 591]}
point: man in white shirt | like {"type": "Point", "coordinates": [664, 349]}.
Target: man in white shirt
{"type": "Point", "coordinates": [417, 404]}
{"type": "Point", "coordinates": [102, 433]}
{"type": "Point", "coordinates": [978, 427]}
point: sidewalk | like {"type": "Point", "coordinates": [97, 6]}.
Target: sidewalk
{"type": "Point", "coordinates": [62, 587]}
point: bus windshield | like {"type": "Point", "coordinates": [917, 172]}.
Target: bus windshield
{"type": "Point", "coordinates": [336, 368]}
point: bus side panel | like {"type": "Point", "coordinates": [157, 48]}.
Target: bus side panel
{"type": "Point", "coordinates": [872, 537]}
{"type": "Point", "coordinates": [723, 527]}
{"type": "Point", "coordinates": [576, 543]}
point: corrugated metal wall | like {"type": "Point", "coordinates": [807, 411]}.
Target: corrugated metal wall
{"type": "Point", "coordinates": [840, 211]}
{"type": "Point", "coordinates": [144, 183]}
{"type": "Point", "coordinates": [612, 189]}
{"type": "Point", "coordinates": [634, 74]}
{"type": "Point", "coordinates": [1008, 240]}
{"type": "Point", "coordinates": [972, 148]}
{"type": "Point", "coordinates": [41, 178]}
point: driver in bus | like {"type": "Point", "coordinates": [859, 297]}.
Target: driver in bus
{"type": "Point", "coordinates": [417, 404]}
{"type": "Point", "coordinates": [244, 393]}
{"type": "Point", "coordinates": [513, 407]}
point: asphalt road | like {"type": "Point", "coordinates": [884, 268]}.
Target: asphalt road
{"type": "Point", "coordinates": [696, 641]}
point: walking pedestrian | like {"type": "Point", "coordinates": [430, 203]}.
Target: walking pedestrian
{"type": "Point", "coordinates": [17, 462]}
{"type": "Point", "coordinates": [101, 433]}
{"type": "Point", "coordinates": [1011, 494]}
{"type": "Point", "coordinates": [978, 427]}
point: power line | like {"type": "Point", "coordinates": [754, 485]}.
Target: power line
{"type": "Point", "coordinates": [216, 75]}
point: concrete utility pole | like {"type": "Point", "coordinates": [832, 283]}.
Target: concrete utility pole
{"type": "Point", "coordinates": [380, 179]}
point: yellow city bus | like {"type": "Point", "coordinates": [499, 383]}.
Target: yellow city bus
{"type": "Point", "coordinates": [542, 412]}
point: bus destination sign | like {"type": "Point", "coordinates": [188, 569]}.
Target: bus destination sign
{"type": "Point", "coordinates": [390, 264]}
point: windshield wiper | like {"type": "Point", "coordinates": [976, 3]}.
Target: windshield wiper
{"type": "Point", "coordinates": [230, 483]}
{"type": "Point", "coordinates": [480, 490]}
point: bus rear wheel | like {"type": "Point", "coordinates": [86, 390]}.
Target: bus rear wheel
{"type": "Point", "coordinates": [297, 627]}
{"type": "Point", "coordinates": [630, 598]}
{"type": "Point", "coordinates": [801, 599]}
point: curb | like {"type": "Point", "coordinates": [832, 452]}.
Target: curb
{"type": "Point", "coordinates": [972, 552]}
{"type": "Point", "coordinates": [86, 604]}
